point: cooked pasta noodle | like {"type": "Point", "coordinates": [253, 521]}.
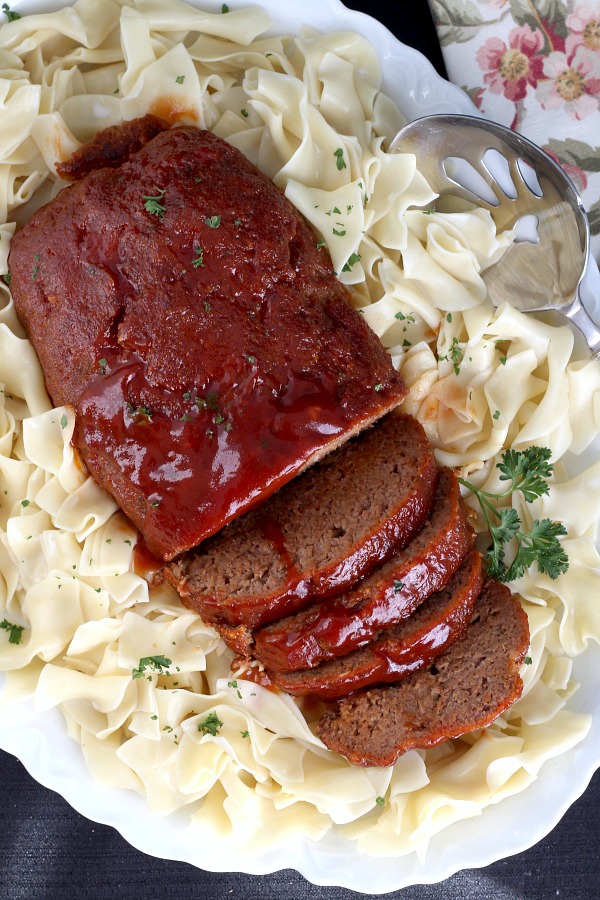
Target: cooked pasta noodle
{"type": "Point", "coordinates": [187, 733]}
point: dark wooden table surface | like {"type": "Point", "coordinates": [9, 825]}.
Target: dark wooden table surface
{"type": "Point", "coordinates": [49, 852]}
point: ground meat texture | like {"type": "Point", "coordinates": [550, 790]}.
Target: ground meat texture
{"type": "Point", "coordinates": [464, 689]}
{"type": "Point", "coordinates": [180, 304]}
{"type": "Point", "coordinates": [319, 534]}
{"type": "Point", "coordinates": [392, 592]}
{"type": "Point", "coordinates": [400, 650]}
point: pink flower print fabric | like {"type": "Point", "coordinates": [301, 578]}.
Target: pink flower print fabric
{"type": "Point", "coordinates": [533, 65]}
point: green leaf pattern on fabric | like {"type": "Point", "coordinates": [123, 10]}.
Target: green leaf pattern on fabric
{"type": "Point", "coordinates": [533, 65]}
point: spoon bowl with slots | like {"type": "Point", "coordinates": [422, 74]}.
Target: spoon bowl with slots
{"type": "Point", "coordinates": [523, 189]}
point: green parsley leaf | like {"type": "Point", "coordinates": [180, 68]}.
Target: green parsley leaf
{"type": "Point", "coordinates": [339, 158]}
{"type": "Point", "coordinates": [213, 221]}
{"type": "Point", "coordinates": [155, 663]}
{"type": "Point", "coordinates": [352, 260]}
{"type": "Point", "coordinates": [6, 278]}
{"type": "Point", "coordinates": [401, 317]}
{"type": "Point", "coordinates": [378, 387]}
{"type": "Point", "coordinates": [528, 661]}
{"type": "Point", "coordinates": [527, 471]}
{"type": "Point", "coordinates": [245, 113]}
{"type": "Point", "coordinates": [153, 204]}
{"type": "Point", "coordinates": [199, 260]}
{"type": "Point", "coordinates": [102, 364]}
{"type": "Point", "coordinates": [321, 243]}
{"type": "Point", "coordinates": [210, 725]}
{"type": "Point", "coordinates": [15, 632]}
{"type": "Point", "coordinates": [448, 317]}
{"type": "Point", "coordinates": [63, 421]}
{"type": "Point", "coordinates": [496, 414]}
{"type": "Point", "coordinates": [339, 233]}
{"type": "Point", "coordinates": [10, 15]}
{"type": "Point", "coordinates": [245, 734]}
{"type": "Point", "coordinates": [180, 79]}
{"type": "Point", "coordinates": [398, 585]}
{"type": "Point", "coordinates": [234, 685]}
{"type": "Point", "coordinates": [224, 8]}
{"type": "Point", "coordinates": [380, 801]}
{"type": "Point", "coordinates": [25, 503]}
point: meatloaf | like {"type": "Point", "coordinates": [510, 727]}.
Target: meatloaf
{"type": "Point", "coordinates": [181, 304]}
{"type": "Point", "coordinates": [401, 649]}
{"type": "Point", "coordinates": [391, 593]}
{"type": "Point", "coordinates": [319, 534]}
{"type": "Point", "coordinates": [463, 690]}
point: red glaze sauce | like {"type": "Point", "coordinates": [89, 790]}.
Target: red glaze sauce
{"type": "Point", "coordinates": [180, 303]}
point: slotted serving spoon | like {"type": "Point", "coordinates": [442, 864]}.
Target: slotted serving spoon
{"type": "Point", "coordinates": [543, 269]}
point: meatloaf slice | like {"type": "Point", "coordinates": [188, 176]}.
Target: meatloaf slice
{"type": "Point", "coordinates": [319, 534]}
{"type": "Point", "coordinates": [464, 689]}
{"type": "Point", "coordinates": [391, 593]}
{"type": "Point", "coordinates": [400, 650]}
{"type": "Point", "coordinates": [181, 304]}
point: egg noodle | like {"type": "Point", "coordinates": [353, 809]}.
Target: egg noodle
{"type": "Point", "coordinates": [78, 625]}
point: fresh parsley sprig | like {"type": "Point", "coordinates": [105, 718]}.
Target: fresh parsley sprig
{"type": "Point", "coordinates": [527, 471]}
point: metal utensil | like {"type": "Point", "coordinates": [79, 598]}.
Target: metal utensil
{"type": "Point", "coordinates": [501, 171]}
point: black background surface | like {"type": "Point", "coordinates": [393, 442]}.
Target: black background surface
{"type": "Point", "coordinates": [49, 852]}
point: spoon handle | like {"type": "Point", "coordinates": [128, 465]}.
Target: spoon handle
{"type": "Point", "coordinates": [580, 317]}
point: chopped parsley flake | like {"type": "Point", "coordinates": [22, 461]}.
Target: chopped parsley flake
{"type": "Point", "coordinates": [6, 278]}
{"type": "Point", "coordinates": [245, 734]}
{"type": "Point", "coordinates": [224, 8]}
{"type": "Point", "coordinates": [206, 306]}
{"type": "Point", "coordinates": [339, 233]}
{"type": "Point", "coordinates": [378, 387]}
{"type": "Point", "coordinates": [398, 585]}
{"type": "Point", "coordinates": [339, 158]}
{"type": "Point", "coordinates": [234, 685]}
{"type": "Point", "coordinates": [380, 801]}
{"type": "Point", "coordinates": [210, 725]}
{"type": "Point", "coordinates": [251, 359]}
{"type": "Point", "coordinates": [528, 660]}
{"type": "Point", "coordinates": [15, 632]}
{"type": "Point", "coordinates": [156, 663]}
{"type": "Point", "coordinates": [180, 79]}
{"type": "Point", "coordinates": [213, 221]}
{"type": "Point", "coordinates": [448, 317]}
{"type": "Point", "coordinates": [496, 414]}
{"type": "Point", "coordinates": [10, 15]}
{"type": "Point", "coordinates": [199, 260]}
{"type": "Point", "coordinates": [503, 360]}
{"type": "Point", "coordinates": [24, 503]}
{"type": "Point", "coordinates": [102, 364]}
{"type": "Point", "coordinates": [153, 204]}
{"type": "Point", "coordinates": [63, 421]}
{"type": "Point", "coordinates": [352, 260]}
{"type": "Point", "coordinates": [321, 243]}
{"type": "Point", "coordinates": [455, 354]}
{"type": "Point", "coordinates": [402, 318]}
{"type": "Point", "coordinates": [335, 210]}
{"type": "Point", "coordinates": [245, 113]}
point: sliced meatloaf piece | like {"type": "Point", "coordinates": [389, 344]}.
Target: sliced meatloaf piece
{"type": "Point", "coordinates": [319, 534]}
{"type": "Point", "coordinates": [180, 303]}
{"type": "Point", "coordinates": [401, 649]}
{"type": "Point", "coordinates": [391, 593]}
{"type": "Point", "coordinates": [464, 689]}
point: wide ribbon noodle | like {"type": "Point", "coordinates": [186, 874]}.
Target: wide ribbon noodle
{"type": "Point", "coordinates": [243, 760]}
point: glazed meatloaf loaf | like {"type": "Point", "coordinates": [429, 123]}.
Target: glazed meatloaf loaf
{"type": "Point", "coordinates": [180, 303]}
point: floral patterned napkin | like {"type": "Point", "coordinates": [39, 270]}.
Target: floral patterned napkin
{"type": "Point", "coordinates": [533, 65]}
